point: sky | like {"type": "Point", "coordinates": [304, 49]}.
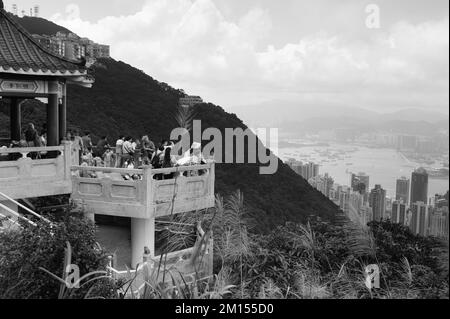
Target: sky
{"type": "Point", "coordinates": [316, 53]}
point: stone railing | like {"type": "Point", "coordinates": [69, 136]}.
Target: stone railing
{"type": "Point", "coordinates": [36, 171]}
{"type": "Point", "coordinates": [176, 266]}
{"type": "Point", "coordinates": [114, 192]}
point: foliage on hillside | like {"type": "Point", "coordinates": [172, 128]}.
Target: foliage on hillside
{"type": "Point", "coordinates": [320, 260]}
{"type": "Point", "coordinates": [22, 253]}
{"type": "Point", "coordinates": [316, 260]}
{"type": "Point", "coordinates": [40, 26]}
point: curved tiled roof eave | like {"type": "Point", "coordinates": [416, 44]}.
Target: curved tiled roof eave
{"type": "Point", "coordinates": [21, 54]}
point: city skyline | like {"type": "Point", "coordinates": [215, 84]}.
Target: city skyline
{"type": "Point", "coordinates": [426, 214]}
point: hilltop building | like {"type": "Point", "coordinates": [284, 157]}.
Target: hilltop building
{"type": "Point", "coordinates": [190, 101]}
{"type": "Point", "coordinates": [33, 11]}
{"type": "Point", "coordinates": [73, 47]}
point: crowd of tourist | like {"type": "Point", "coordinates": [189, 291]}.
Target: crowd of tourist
{"type": "Point", "coordinates": [30, 137]}
{"type": "Point", "coordinates": [130, 153]}
{"type": "Point", "coordinates": [126, 152]}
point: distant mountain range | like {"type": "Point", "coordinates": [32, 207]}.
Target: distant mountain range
{"type": "Point", "coordinates": [292, 118]}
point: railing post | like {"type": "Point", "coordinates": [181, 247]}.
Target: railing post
{"type": "Point", "coordinates": [212, 176]}
{"type": "Point", "coordinates": [148, 191]}
{"type": "Point", "coordinates": [211, 254]}
{"type": "Point", "coordinates": [67, 153]}
{"type": "Point", "coordinates": [143, 230]}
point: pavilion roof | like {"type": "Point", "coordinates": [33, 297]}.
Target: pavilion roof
{"type": "Point", "coordinates": [21, 54]}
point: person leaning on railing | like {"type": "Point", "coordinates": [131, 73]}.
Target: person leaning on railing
{"type": "Point", "coordinates": [119, 151]}
{"type": "Point", "coordinates": [127, 151]}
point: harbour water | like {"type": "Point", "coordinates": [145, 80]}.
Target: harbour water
{"type": "Point", "coordinates": [383, 166]}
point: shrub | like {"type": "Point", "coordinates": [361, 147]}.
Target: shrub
{"type": "Point", "coordinates": [23, 252]}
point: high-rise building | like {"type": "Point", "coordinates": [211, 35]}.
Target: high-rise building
{"type": "Point", "coordinates": [441, 200]}
{"type": "Point", "coordinates": [439, 223]}
{"type": "Point", "coordinates": [36, 11]}
{"type": "Point", "coordinates": [377, 201]}
{"type": "Point", "coordinates": [323, 184]}
{"type": "Point", "coordinates": [419, 186]}
{"type": "Point", "coordinates": [419, 219]}
{"type": "Point", "coordinates": [305, 170]}
{"type": "Point", "coordinates": [14, 9]}
{"type": "Point", "coordinates": [402, 190]}
{"type": "Point", "coordinates": [399, 212]}
{"type": "Point", "coordinates": [360, 183]}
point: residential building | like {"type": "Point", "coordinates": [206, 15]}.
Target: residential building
{"type": "Point", "coordinates": [73, 47]}
{"type": "Point", "coordinates": [419, 220]}
{"type": "Point", "coordinates": [439, 223]}
{"type": "Point", "coordinates": [402, 190]}
{"type": "Point", "coordinates": [377, 201]}
{"type": "Point", "coordinates": [399, 212]}
{"type": "Point", "coordinates": [419, 186]}
{"type": "Point", "coordinates": [360, 183]}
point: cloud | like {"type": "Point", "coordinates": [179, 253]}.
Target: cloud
{"type": "Point", "coordinates": [190, 44]}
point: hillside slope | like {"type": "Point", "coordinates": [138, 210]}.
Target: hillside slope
{"type": "Point", "coordinates": [40, 26]}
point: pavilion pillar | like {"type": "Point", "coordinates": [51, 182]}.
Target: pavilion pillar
{"type": "Point", "coordinates": [15, 119]}
{"type": "Point", "coordinates": [63, 114]}
{"type": "Point", "coordinates": [142, 235]}
{"type": "Point", "coordinates": [52, 115]}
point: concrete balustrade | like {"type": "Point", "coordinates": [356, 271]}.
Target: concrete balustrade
{"type": "Point", "coordinates": [178, 266]}
{"type": "Point", "coordinates": [23, 174]}
{"type": "Point", "coordinates": [191, 188]}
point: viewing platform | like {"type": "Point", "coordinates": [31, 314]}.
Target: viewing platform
{"type": "Point", "coordinates": [108, 193]}
{"type": "Point", "coordinates": [139, 194]}
{"type": "Point", "coordinates": [35, 172]}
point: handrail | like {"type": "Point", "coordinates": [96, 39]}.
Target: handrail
{"type": "Point", "coordinates": [9, 210]}
{"type": "Point", "coordinates": [169, 170]}
{"type": "Point", "coordinates": [10, 220]}
{"type": "Point", "coordinates": [176, 169]}
{"type": "Point", "coordinates": [106, 169]}
{"type": "Point", "coordinates": [31, 149]}
{"type": "Point", "coordinates": [25, 208]}
{"type": "Point", "coordinates": [182, 168]}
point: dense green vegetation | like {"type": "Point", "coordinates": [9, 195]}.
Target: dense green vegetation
{"type": "Point", "coordinates": [40, 25]}
{"type": "Point", "coordinates": [318, 260]}
{"type": "Point", "coordinates": [22, 253]}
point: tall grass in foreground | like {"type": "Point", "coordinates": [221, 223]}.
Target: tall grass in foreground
{"type": "Point", "coordinates": [317, 260]}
